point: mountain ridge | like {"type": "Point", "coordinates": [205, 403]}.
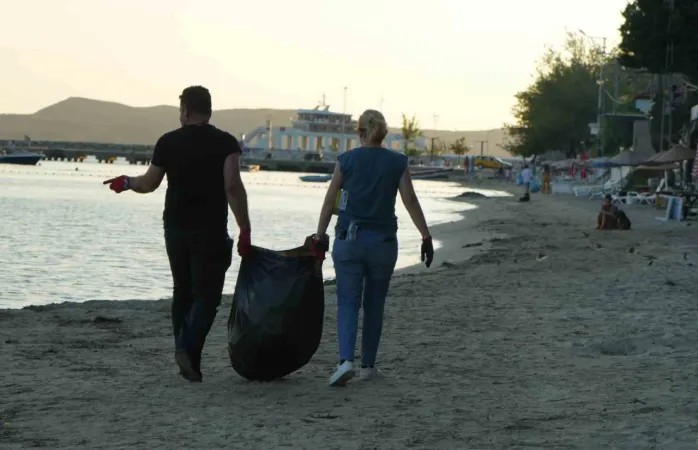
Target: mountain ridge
{"type": "Point", "coordinates": [89, 120]}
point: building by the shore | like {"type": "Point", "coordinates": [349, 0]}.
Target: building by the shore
{"type": "Point", "coordinates": [317, 130]}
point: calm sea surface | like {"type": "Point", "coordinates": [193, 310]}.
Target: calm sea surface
{"type": "Point", "coordinates": [66, 237]}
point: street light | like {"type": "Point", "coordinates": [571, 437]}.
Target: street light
{"type": "Point", "coordinates": [599, 106]}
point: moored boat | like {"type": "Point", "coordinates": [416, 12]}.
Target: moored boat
{"type": "Point", "coordinates": [316, 178]}
{"type": "Point", "coordinates": [20, 157]}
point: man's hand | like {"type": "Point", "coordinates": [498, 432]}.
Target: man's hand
{"type": "Point", "coordinates": [245, 243]}
{"type": "Point", "coordinates": [320, 246]}
{"type": "Point", "coordinates": [427, 251]}
{"type": "Point", "coordinates": [118, 184]}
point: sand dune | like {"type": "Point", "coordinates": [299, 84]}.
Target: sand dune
{"type": "Point", "coordinates": [549, 335]}
{"type": "Point", "coordinates": [81, 119]}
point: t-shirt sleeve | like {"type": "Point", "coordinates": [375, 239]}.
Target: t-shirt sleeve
{"type": "Point", "coordinates": [160, 153]}
{"type": "Point", "coordinates": [232, 145]}
{"type": "Point", "coordinates": [343, 161]}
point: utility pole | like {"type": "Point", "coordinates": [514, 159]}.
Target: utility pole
{"type": "Point", "coordinates": [668, 62]}
{"type": "Point", "coordinates": [436, 120]}
{"type": "Point", "coordinates": [600, 103]}
{"type": "Point", "coordinates": [616, 84]}
{"type": "Point", "coordinates": [482, 146]}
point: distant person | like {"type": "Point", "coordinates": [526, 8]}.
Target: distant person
{"type": "Point", "coordinates": [611, 217]}
{"type": "Point", "coordinates": [202, 164]}
{"type": "Point", "coordinates": [547, 176]}
{"type": "Point", "coordinates": [365, 247]}
{"type": "Point", "coordinates": [526, 177]}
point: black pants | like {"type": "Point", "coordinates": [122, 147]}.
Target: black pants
{"type": "Point", "coordinates": [199, 260]}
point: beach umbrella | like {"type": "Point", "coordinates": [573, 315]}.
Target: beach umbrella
{"type": "Point", "coordinates": [658, 166]}
{"type": "Point", "coordinates": [562, 165]}
{"type": "Point", "coordinates": [629, 158]}
{"type": "Point", "coordinates": [599, 162]}
{"type": "Point", "coordinates": [677, 153]}
{"type": "Point", "coordinates": [652, 160]}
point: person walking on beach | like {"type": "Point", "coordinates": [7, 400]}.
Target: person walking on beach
{"type": "Point", "coordinates": [202, 164]}
{"type": "Point", "coordinates": [547, 176]}
{"type": "Point", "coordinates": [365, 247]}
{"type": "Point", "coordinates": [526, 177]}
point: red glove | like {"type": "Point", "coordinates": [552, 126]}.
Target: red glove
{"type": "Point", "coordinates": [245, 243]}
{"type": "Point", "coordinates": [118, 184]}
{"type": "Point", "coordinates": [321, 244]}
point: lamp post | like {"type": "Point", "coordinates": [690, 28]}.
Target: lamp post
{"type": "Point", "coordinates": [436, 120]}
{"type": "Point", "coordinates": [599, 106]}
{"type": "Point", "coordinates": [344, 111]}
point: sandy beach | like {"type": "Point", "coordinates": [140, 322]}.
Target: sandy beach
{"type": "Point", "coordinates": [531, 330]}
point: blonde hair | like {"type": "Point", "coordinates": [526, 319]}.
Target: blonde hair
{"type": "Point", "coordinates": [373, 125]}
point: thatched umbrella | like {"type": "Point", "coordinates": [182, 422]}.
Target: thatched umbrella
{"type": "Point", "coordinates": [652, 160]}
{"type": "Point", "coordinates": [629, 158]}
{"type": "Point", "coordinates": [678, 153]}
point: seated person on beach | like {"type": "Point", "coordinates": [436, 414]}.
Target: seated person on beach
{"type": "Point", "coordinates": [611, 217]}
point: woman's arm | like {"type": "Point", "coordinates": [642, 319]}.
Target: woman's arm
{"type": "Point", "coordinates": [330, 199]}
{"type": "Point", "coordinates": [411, 202]}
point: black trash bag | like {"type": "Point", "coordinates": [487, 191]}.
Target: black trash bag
{"type": "Point", "coordinates": [275, 323]}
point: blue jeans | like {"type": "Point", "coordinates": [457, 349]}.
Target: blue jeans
{"type": "Point", "coordinates": [363, 268]}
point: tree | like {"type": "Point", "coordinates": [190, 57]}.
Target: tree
{"type": "Point", "coordinates": [459, 147]}
{"type": "Point", "coordinates": [413, 152]}
{"type": "Point", "coordinates": [410, 132]}
{"type": "Point", "coordinates": [660, 39]}
{"type": "Point", "coordinates": [554, 112]}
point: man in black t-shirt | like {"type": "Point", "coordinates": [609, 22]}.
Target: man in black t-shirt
{"type": "Point", "coordinates": [202, 164]}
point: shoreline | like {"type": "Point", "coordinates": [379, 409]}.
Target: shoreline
{"type": "Point", "coordinates": [549, 334]}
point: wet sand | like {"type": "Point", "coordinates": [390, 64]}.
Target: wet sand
{"type": "Point", "coordinates": [531, 330]}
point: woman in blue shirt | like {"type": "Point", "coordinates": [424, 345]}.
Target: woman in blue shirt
{"type": "Point", "coordinates": [365, 247]}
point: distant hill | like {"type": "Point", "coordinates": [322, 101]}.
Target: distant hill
{"type": "Point", "coordinates": [87, 120]}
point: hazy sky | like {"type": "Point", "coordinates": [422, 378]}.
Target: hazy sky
{"type": "Point", "coordinates": [462, 60]}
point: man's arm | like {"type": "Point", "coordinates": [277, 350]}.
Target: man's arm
{"type": "Point", "coordinates": [148, 182]}
{"type": "Point", "coordinates": [235, 190]}
{"type": "Point", "coordinates": [151, 180]}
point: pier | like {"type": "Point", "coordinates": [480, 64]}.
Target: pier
{"type": "Point", "coordinates": [79, 151]}
{"type": "Point", "coordinates": [276, 160]}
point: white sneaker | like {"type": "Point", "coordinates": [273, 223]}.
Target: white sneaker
{"type": "Point", "coordinates": [368, 373]}
{"type": "Point", "coordinates": [344, 373]}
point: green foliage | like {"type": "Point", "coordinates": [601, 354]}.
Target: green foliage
{"type": "Point", "coordinates": [554, 112]}
{"type": "Point", "coordinates": [413, 152]}
{"type": "Point", "coordinates": [459, 146]}
{"type": "Point", "coordinates": [650, 26]}
{"type": "Point", "coordinates": [410, 132]}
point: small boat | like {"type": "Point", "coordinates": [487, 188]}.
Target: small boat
{"type": "Point", "coordinates": [249, 168]}
{"type": "Point", "coordinates": [21, 157]}
{"type": "Point", "coordinates": [316, 178]}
